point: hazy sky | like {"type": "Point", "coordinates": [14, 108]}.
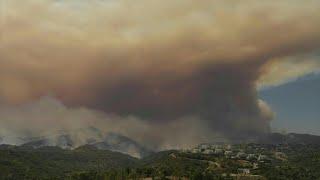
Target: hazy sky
{"type": "Point", "coordinates": [170, 65]}
{"type": "Point", "coordinates": [296, 105]}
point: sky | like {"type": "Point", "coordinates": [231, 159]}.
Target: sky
{"type": "Point", "coordinates": [296, 105]}
{"type": "Point", "coordinates": [153, 70]}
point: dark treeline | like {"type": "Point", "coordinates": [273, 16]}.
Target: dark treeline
{"type": "Point", "coordinates": [87, 163]}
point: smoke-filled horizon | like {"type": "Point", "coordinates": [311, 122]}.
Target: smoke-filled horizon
{"type": "Point", "coordinates": [185, 71]}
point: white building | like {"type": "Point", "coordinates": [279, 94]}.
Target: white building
{"type": "Point", "coordinates": [195, 150]}
{"type": "Point", "coordinates": [228, 153]}
{"type": "Point", "coordinates": [241, 155]}
{"type": "Point", "coordinates": [208, 151]}
{"type": "Point", "coordinates": [218, 151]}
{"type": "Point", "coordinates": [251, 157]}
{"type": "Point", "coordinates": [243, 171]}
{"type": "Point", "coordinates": [262, 157]}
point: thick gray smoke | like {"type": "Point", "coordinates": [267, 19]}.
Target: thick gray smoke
{"type": "Point", "coordinates": [168, 74]}
{"type": "Point", "coordinates": [47, 117]}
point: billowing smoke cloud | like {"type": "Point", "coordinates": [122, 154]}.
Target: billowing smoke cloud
{"type": "Point", "coordinates": [185, 64]}
{"type": "Point", "coordinates": [48, 117]}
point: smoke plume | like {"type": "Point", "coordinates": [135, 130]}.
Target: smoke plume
{"type": "Point", "coordinates": [168, 73]}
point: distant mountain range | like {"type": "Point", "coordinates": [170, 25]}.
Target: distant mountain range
{"type": "Point", "coordinates": [88, 136]}
{"type": "Point", "coordinates": [291, 138]}
{"type": "Point", "coordinates": [118, 143]}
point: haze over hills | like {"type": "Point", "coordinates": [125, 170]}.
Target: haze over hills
{"type": "Point", "coordinates": [166, 74]}
{"type": "Point", "coordinates": [159, 88]}
{"type": "Point", "coordinates": [279, 157]}
{"type": "Point", "coordinates": [118, 143]}
{"type": "Point", "coordinates": [86, 136]}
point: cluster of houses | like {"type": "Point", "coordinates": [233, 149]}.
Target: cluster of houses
{"type": "Point", "coordinates": [252, 155]}
{"type": "Point", "coordinates": [228, 151]}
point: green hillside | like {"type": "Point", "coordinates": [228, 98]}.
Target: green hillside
{"type": "Point", "coordinates": [279, 162]}
{"type": "Point", "coordinates": [53, 162]}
